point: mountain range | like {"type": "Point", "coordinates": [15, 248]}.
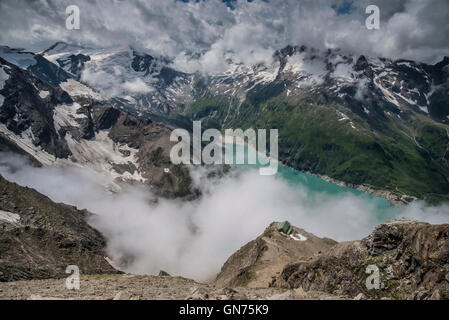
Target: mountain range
{"type": "Point", "coordinates": [54, 128]}
{"type": "Point", "coordinates": [372, 122]}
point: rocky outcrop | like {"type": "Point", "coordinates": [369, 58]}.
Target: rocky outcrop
{"type": "Point", "coordinates": [256, 263]}
{"type": "Point", "coordinates": [40, 238]}
{"type": "Point", "coordinates": [152, 140]}
{"type": "Point", "coordinates": [73, 64]}
{"type": "Point", "coordinates": [28, 106]}
{"type": "Point", "coordinates": [410, 258]}
{"type": "Point", "coordinates": [143, 145]}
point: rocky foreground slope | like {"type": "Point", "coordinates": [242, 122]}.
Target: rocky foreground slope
{"type": "Point", "coordinates": [411, 260]}
{"type": "Point", "coordinates": [40, 238]}
{"type": "Point", "coordinates": [129, 287]}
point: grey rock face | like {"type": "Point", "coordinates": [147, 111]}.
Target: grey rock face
{"type": "Point", "coordinates": [28, 106]}
{"type": "Point", "coordinates": [409, 255]}
{"type": "Point", "coordinates": [45, 238]}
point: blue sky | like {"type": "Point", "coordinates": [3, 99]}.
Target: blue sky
{"type": "Point", "coordinates": [344, 8]}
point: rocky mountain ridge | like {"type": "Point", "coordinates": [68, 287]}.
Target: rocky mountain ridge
{"type": "Point", "coordinates": [401, 259]}
{"type": "Point", "coordinates": [402, 84]}
{"type": "Point", "coordinates": [375, 123]}
{"type": "Point", "coordinates": [40, 238]}
{"type": "Point", "coordinates": [72, 127]}
{"type": "Point", "coordinates": [409, 258]}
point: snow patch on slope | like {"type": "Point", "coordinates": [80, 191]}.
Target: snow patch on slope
{"type": "Point", "coordinates": [111, 73]}
{"type": "Point", "coordinates": [424, 109]}
{"type": "Point", "coordinates": [9, 217]}
{"type": "Point", "coordinates": [101, 153]}
{"type": "Point", "coordinates": [387, 94]}
{"type": "Point", "coordinates": [344, 117]}
{"type": "Point", "coordinates": [25, 142]}
{"type": "Point", "coordinates": [298, 237]}
{"type": "Point", "coordinates": [66, 116]}
{"type": "Point", "coordinates": [43, 94]}
{"type": "Point", "coordinates": [77, 89]}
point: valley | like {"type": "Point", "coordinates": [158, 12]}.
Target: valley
{"type": "Point", "coordinates": [365, 121]}
{"type": "Point", "coordinates": [87, 178]}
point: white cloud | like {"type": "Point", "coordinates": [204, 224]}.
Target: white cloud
{"type": "Point", "coordinates": [195, 238]}
{"type": "Point", "coordinates": [115, 77]}
{"type": "Point", "coordinates": [136, 86]}
{"type": "Point", "coordinates": [201, 35]}
{"type": "Point", "coordinates": [106, 82]}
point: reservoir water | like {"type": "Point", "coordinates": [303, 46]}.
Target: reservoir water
{"type": "Point", "coordinates": [318, 189]}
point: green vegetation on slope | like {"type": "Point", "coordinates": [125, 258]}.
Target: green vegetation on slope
{"type": "Point", "coordinates": [315, 136]}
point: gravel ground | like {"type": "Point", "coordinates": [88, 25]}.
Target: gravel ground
{"type": "Point", "coordinates": [128, 287]}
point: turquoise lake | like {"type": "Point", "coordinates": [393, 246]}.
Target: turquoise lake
{"type": "Point", "coordinates": [317, 189]}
